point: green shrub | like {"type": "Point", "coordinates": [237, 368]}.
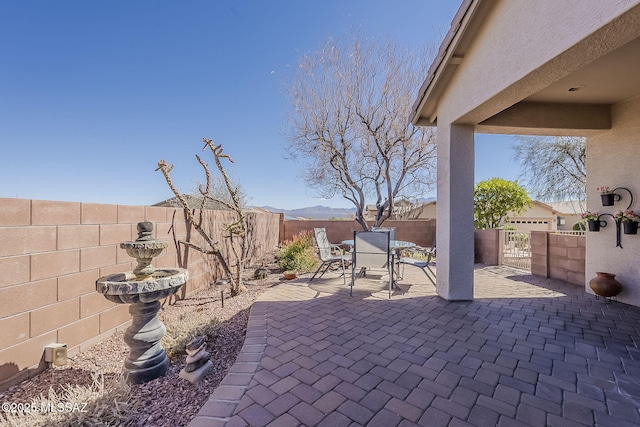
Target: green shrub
{"type": "Point", "coordinates": [299, 254]}
{"type": "Point", "coordinates": [184, 328]}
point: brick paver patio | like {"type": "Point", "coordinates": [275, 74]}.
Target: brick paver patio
{"type": "Point", "coordinates": [527, 351]}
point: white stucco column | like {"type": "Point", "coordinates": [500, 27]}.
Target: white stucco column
{"type": "Point", "coordinates": [455, 241]}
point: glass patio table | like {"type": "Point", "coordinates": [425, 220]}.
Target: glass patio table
{"type": "Point", "coordinates": [394, 247]}
{"type": "Point", "coordinates": [393, 244]}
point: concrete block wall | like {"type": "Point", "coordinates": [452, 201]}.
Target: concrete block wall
{"type": "Point", "coordinates": [566, 258]}
{"type": "Point", "coordinates": [487, 246]}
{"type": "Point", "coordinates": [420, 232]}
{"type": "Point", "coordinates": [539, 253]}
{"type": "Point", "coordinates": [559, 256]}
{"type": "Point", "coordinates": [52, 253]}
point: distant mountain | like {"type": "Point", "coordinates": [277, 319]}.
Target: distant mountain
{"type": "Point", "coordinates": [314, 212]}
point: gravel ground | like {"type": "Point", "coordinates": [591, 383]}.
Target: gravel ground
{"type": "Point", "coordinates": [168, 401]}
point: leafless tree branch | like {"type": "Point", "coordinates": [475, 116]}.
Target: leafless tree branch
{"type": "Point", "coordinates": [236, 231]}
{"type": "Point", "coordinates": [348, 124]}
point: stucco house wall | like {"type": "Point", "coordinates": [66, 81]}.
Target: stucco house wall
{"type": "Point", "coordinates": [514, 55]}
{"type": "Point", "coordinates": [513, 67]}
{"type": "Point", "coordinates": [613, 160]}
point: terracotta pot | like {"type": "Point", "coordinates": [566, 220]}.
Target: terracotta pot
{"type": "Point", "coordinates": [605, 285]}
{"type": "Point", "coordinates": [289, 276]}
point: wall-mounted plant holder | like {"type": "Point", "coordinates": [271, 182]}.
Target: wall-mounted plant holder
{"type": "Point", "coordinates": [596, 224]}
{"type": "Point", "coordinates": [630, 227]}
{"type": "Point", "coordinates": [609, 198]}
{"type": "Point", "coordinates": [618, 242]}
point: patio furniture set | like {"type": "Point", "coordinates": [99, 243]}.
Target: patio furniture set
{"type": "Point", "coordinates": [375, 249]}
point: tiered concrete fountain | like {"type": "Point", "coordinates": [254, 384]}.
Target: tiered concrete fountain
{"type": "Point", "coordinates": [143, 288]}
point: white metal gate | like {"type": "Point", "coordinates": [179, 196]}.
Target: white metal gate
{"type": "Point", "coordinates": [516, 249]}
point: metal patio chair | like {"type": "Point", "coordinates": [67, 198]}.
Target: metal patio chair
{"type": "Point", "coordinates": [423, 263]}
{"type": "Point", "coordinates": [371, 249]}
{"type": "Point", "coordinates": [329, 254]}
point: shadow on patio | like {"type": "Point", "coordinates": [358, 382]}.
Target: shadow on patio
{"type": "Point", "coordinates": [528, 351]}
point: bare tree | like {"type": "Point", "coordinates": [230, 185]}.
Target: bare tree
{"type": "Point", "coordinates": [349, 129]}
{"type": "Point", "coordinates": [553, 168]}
{"type": "Point", "coordinates": [219, 191]}
{"type": "Point", "coordinates": [236, 231]}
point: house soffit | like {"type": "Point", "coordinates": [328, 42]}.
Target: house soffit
{"type": "Point", "coordinates": [589, 92]}
{"type": "Point", "coordinates": [591, 89]}
{"type": "Point", "coordinates": [611, 79]}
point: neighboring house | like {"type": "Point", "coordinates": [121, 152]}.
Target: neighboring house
{"type": "Point", "coordinates": [404, 209]}
{"type": "Point", "coordinates": [538, 217]}
{"type": "Point", "coordinates": [569, 213]}
{"type": "Point", "coordinates": [425, 210]}
{"type": "Point", "coordinates": [541, 216]}
{"type": "Point", "coordinates": [543, 67]}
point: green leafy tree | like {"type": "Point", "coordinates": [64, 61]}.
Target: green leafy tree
{"type": "Point", "coordinates": [495, 198]}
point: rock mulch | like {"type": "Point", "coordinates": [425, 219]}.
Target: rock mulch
{"type": "Point", "coordinates": [169, 401]}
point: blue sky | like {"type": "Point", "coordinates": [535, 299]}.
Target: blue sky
{"type": "Point", "coordinates": [93, 94]}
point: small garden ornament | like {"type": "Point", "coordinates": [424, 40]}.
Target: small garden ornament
{"type": "Point", "coordinates": [198, 362]}
{"type": "Point", "coordinates": [261, 272]}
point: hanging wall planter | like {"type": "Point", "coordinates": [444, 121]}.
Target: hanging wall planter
{"type": "Point", "coordinates": [593, 221]}
{"type": "Point", "coordinates": [630, 227]}
{"type": "Point", "coordinates": [626, 221]}
{"type": "Point", "coordinates": [608, 199]}
{"type": "Point", "coordinates": [595, 225]}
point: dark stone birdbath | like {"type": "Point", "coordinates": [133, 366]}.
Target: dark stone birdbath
{"type": "Point", "coordinates": [143, 288]}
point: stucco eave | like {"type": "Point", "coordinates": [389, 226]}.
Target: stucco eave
{"type": "Point", "coordinates": [546, 115]}
{"type": "Point", "coordinates": [439, 72]}
{"type": "Point", "coordinates": [464, 26]}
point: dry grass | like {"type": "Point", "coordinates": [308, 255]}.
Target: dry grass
{"type": "Point", "coordinates": [183, 328]}
{"type": "Point", "coordinates": [103, 402]}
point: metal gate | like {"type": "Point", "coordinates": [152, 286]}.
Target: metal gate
{"type": "Point", "coordinates": [516, 249]}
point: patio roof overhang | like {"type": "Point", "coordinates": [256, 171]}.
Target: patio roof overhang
{"type": "Point", "coordinates": [450, 55]}
{"type": "Point", "coordinates": [570, 94]}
